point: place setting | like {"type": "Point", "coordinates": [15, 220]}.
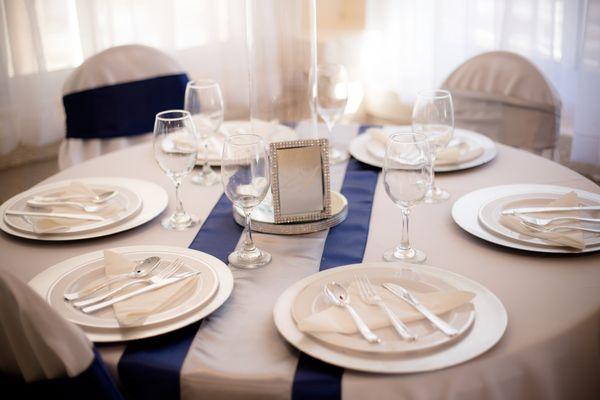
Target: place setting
{"type": "Point", "coordinates": [135, 292]}
{"type": "Point", "coordinates": [538, 218]}
{"type": "Point", "coordinates": [82, 208]}
{"type": "Point", "coordinates": [455, 148]}
{"type": "Point", "coordinates": [390, 318]}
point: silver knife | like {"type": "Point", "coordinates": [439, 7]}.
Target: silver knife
{"type": "Point", "coordinates": [149, 288]}
{"type": "Point", "coordinates": [526, 210]}
{"type": "Point", "coordinates": [410, 299]}
{"type": "Point", "coordinates": [81, 217]}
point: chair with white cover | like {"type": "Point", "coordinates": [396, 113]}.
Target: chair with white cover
{"type": "Point", "coordinates": [112, 98]}
{"type": "Point", "coordinates": [505, 97]}
{"type": "Point", "coordinates": [43, 355]}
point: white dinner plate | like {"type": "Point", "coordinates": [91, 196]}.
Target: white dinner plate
{"type": "Point", "coordinates": [43, 282]}
{"type": "Point", "coordinates": [91, 271]}
{"type": "Point", "coordinates": [312, 299]}
{"type": "Point", "coordinates": [270, 132]}
{"type": "Point", "coordinates": [465, 213]}
{"type": "Point", "coordinates": [154, 201]}
{"type": "Point", "coordinates": [360, 151]}
{"type": "Point", "coordinates": [126, 204]}
{"type": "Point", "coordinates": [488, 327]}
{"type": "Point", "coordinates": [490, 212]}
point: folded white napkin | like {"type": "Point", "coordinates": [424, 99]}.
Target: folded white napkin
{"type": "Point", "coordinates": [138, 308]}
{"type": "Point", "coordinates": [49, 225]}
{"type": "Point", "coordinates": [571, 238]}
{"type": "Point", "coordinates": [35, 341]}
{"type": "Point", "coordinates": [337, 319]}
{"type": "Point", "coordinates": [461, 150]}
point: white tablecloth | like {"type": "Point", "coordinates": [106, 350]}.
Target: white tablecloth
{"type": "Point", "coordinates": [550, 350]}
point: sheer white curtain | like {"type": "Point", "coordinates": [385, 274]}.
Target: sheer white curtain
{"type": "Point", "coordinates": [414, 44]}
{"type": "Point", "coordinates": [42, 41]}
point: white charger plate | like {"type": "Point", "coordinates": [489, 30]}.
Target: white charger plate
{"type": "Point", "coordinates": [490, 212]}
{"type": "Point", "coordinates": [486, 331]}
{"type": "Point", "coordinates": [465, 213]}
{"type": "Point", "coordinates": [91, 271]}
{"type": "Point", "coordinates": [154, 201]}
{"type": "Point", "coordinates": [278, 132]}
{"type": "Point", "coordinates": [312, 300]}
{"type": "Point", "coordinates": [359, 150]}
{"type": "Point", "coordinates": [42, 282]}
{"type": "Point", "coordinates": [128, 201]}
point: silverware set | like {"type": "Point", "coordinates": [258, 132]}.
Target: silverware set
{"type": "Point", "coordinates": [340, 297]}
{"type": "Point", "coordinates": [99, 202]}
{"type": "Point", "coordinates": [545, 225]}
{"type": "Point", "coordinates": [142, 274]}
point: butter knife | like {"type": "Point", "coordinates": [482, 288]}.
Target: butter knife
{"type": "Point", "coordinates": [527, 210]}
{"type": "Point", "coordinates": [81, 217]}
{"type": "Point", "coordinates": [405, 295]}
{"type": "Point", "coordinates": [149, 288]}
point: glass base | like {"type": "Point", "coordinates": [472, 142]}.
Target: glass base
{"type": "Point", "coordinates": [337, 156]}
{"type": "Point", "coordinates": [249, 260]}
{"type": "Point", "coordinates": [436, 195]}
{"type": "Point", "coordinates": [206, 179]}
{"type": "Point", "coordinates": [411, 255]}
{"type": "Point", "coordinates": [179, 222]}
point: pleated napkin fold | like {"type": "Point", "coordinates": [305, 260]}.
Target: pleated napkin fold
{"type": "Point", "coordinates": [569, 238]}
{"type": "Point", "coordinates": [461, 151]}
{"type": "Point", "coordinates": [49, 225]}
{"type": "Point", "coordinates": [138, 308]}
{"type": "Point", "coordinates": [337, 319]}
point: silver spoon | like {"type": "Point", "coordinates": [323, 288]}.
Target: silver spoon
{"type": "Point", "coordinates": [98, 199]}
{"type": "Point", "coordinates": [340, 297]}
{"type": "Point", "coordinates": [90, 208]}
{"type": "Point", "coordinates": [143, 268]}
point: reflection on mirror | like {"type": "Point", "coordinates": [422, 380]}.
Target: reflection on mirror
{"type": "Point", "coordinates": [300, 180]}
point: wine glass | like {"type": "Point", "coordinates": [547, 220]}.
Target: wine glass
{"type": "Point", "coordinates": [204, 101]}
{"type": "Point", "coordinates": [245, 176]}
{"type": "Point", "coordinates": [175, 150]}
{"type": "Point", "coordinates": [433, 115]}
{"type": "Point", "coordinates": [406, 176]}
{"type": "Point", "coordinates": [332, 96]}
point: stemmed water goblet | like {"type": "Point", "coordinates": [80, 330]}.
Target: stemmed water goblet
{"type": "Point", "coordinates": [332, 97]}
{"type": "Point", "coordinates": [175, 151]}
{"type": "Point", "coordinates": [406, 175]}
{"type": "Point", "coordinates": [433, 116]}
{"type": "Point", "coordinates": [204, 101]}
{"type": "Point", "coordinates": [245, 177]}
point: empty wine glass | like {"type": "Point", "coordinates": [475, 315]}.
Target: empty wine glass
{"type": "Point", "coordinates": [332, 96]}
{"type": "Point", "coordinates": [175, 150]}
{"type": "Point", "coordinates": [204, 101]}
{"type": "Point", "coordinates": [406, 175]}
{"type": "Point", "coordinates": [433, 116]}
{"type": "Point", "coordinates": [245, 176]}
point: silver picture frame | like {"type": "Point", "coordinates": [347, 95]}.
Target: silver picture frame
{"type": "Point", "coordinates": [300, 180]}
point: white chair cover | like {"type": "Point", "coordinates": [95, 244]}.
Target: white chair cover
{"type": "Point", "coordinates": [118, 70]}
{"type": "Point", "coordinates": [36, 342]}
{"type": "Point", "coordinates": [505, 97]}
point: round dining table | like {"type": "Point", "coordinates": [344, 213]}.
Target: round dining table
{"type": "Point", "coordinates": [550, 348]}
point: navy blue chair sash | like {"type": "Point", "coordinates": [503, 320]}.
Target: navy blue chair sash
{"type": "Point", "coordinates": [95, 383]}
{"type": "Point", "coordinates": [125, 109]}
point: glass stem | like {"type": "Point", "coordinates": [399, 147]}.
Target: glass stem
{"type": "Point", "coordinates": [179, 205]}
{"type": "Point", "coordinates": [432, 173]}
{"type": "Point", "coordinates": [404, 241]}
{"type": "Point", "coordinates": [205, 167]}
{"type": "Point", "coordinates": [248, 242]}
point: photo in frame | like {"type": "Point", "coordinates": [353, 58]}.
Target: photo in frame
{"type": "Point", "coordinates": [300, 180]}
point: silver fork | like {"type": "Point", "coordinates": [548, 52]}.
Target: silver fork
{"type": "Point", "coordinates": [548, 221]}
{"type": "Point", "coordinates": [557, 228]}
{"type": "Point", "coordinates": [163, 274]}
{"type": "Point", "coordinates": [370, 296]}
